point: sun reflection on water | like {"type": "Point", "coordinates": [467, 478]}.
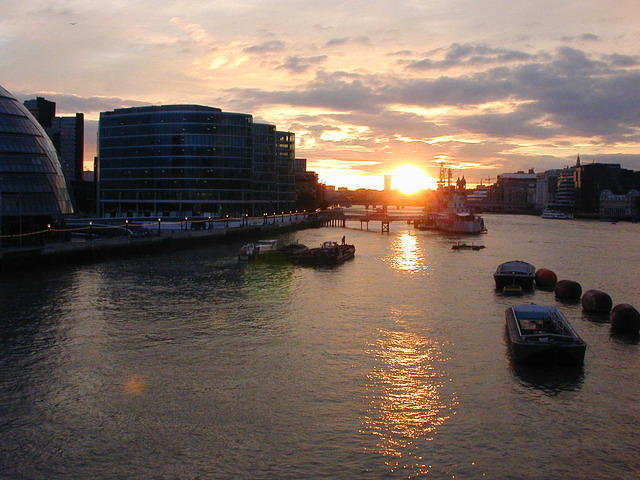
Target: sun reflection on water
{"type": "Point", "coordinates": [407, 255]}
{"type": "Point", "coordinates": [407, 405]}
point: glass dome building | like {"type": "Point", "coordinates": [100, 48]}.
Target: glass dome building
{"type": "Point", "coordinates": [32, 187]}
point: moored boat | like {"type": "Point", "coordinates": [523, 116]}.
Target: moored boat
{"type": "Point", "coordinates": [542, 333]}
{"type": "Point", "coordinates": [466, 246]}
{"type": "Point", "coordinates": [555, 214]}
{"type": "Point", "coordinates": [250, 251]}
{"type": "Point", "coordinates": [330, 253]}
{"type": "Point", "coordinates": [515, 272]}
{"type": "Point", "coordinates": [293, 251]}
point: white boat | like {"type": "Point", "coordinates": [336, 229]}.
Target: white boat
{"type": "Point", "coordinates": [548, 213]}
{"type": "Point", "coordinates": [250, 251]}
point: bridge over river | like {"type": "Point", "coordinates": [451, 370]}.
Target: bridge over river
{"type": "Point", "coordinates": [340, 218]}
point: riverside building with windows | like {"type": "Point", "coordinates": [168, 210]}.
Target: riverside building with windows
{"type": "Point", "coordinates": [191, 160]}
{"type": "Point", "coordinates": [33, 191]}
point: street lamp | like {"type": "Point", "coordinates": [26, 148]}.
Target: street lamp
{"type": "Point", "coordinates": [159, 221]}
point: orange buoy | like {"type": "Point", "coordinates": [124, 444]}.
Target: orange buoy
{"type": "Point", "coordinates": [545, 279]}
{"type": "Point", "coordinates": [625, 318]}
{"type": "Point", "coordinates": [568, 290]}
{"type": "Point", "coordinates": [595, 301]}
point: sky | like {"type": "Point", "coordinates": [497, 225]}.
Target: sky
{"type": "Point", "coordinates": [483, 86]}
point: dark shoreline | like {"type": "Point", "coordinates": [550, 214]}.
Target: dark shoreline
{"type": "Point", "coordinates": [88, 252]}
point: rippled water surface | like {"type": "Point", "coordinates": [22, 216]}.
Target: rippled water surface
{"type": "Point", "coordinates": [190, 365]}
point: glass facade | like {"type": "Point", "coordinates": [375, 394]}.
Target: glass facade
{"type": "Point", "coordinates": [33, 191]}
{"type": "Point", "coordinates": [186, 160]}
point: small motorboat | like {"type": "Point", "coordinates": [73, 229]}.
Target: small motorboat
{"type": "Point", "coordinates": [329, 253]}
{"type": "Point", "coordinates": [252, 250]}
{"type": "Point", "coordinates": [465, 246]}
{"type": "Point", "coordinates": [515, 272]}
{"type": "Point", "coordinates": [539, 333]}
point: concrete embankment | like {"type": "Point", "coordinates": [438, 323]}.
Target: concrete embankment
{"type": "Point", "coordinates": [96, 250]}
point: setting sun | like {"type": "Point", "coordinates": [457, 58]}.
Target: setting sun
{"type": "Point", "coordinates": [409, 179]}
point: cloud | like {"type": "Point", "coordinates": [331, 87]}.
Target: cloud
{"type": "Point", "coordinates": [468, 54]}
{"type": "Point", "coordinates": [617, 60]}
{"type": "Point", "coordinates": [564, 93]}
{"type": "Point", "coordinates": [301, 64]}
{"type": "Point", "coordinates": [335, 42]}
{"type": "Point", "coordinates": [404, 53]}
{"type": "Point", "coordinates": [587, 37]}
{"type": "Point", "coordinates": [266, 47]}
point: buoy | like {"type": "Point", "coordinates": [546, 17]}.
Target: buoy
{"type": "Point", "coordinates": [545, 279]}
{"type": "Point", "coordinates": [568, 290]}
{"type": "Point", "coordinates": [625, 318]}
{"type": "Point", "coordinates": [595, 301]}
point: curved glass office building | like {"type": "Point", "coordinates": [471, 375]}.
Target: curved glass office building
{"type": "Point", "coordinates": [32, 187]}
{"type": "Point", "coordinates": [184, 160]}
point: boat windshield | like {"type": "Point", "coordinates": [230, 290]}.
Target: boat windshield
{"type": "Point", "coordinates": [515, 267]}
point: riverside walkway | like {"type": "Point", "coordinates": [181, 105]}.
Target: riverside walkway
{"type": "Point", "coordinates": [93, 239]}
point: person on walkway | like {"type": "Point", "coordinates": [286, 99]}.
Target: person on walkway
{"type": "Point", "coordinates": [343, 239]}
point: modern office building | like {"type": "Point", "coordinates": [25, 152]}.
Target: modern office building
{"type": "Point", "coordinates": [286, 158]}
{"type": "Point", "coordinates": [66, 133]}
{"type": "Point", "coordinates": [593, 178]}
{"type": "Point", "coordinates": [33, 191]}
{"type": "Point", "coordinates": [191, 160]}
{"type": "Point", "coordinates": [546, 188]}
{"type": "Point", "coordinates": [565, 196]}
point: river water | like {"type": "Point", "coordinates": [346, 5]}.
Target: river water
{"type": "Point", "coordinates": [191, 365]}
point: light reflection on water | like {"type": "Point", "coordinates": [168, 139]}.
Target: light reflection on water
{"type": "Point", "coordinates": [406, 402]}
{"type": "Point", "coordinates": [406, 254]}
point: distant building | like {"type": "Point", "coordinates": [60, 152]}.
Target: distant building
{"type": "Point", "coordinates": [476, 199]}
{"type": "Point", "coordinates": [546, 188]}
{"type": "Point", "coordinates": [300, 165]}
{"type": "Point", "coordinates": [310, 193]}
{"type": "Point", "coordinates": [623, 206]}
{"type": "Point", "coordinates": [594, 178]}
{"type": "Point", "coordinates": [192, 160]}
{"type": "Point", "coordinates": [33, 190]}
{"type": "Point", "coordinates": [66, 133]}
{"type": "Point", "coordinates": [43, 110]}
{"type": "Point", "coordinates": [565, 195]}
{"type": "Point", "coordinates": [513, 192]}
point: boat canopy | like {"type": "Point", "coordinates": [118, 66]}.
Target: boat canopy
{"type": "Point", "coordinates": [532, 312]}
{"type": "Point", "coordinates": [515, 266]}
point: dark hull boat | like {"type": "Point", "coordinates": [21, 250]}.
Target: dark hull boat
{"type": "Point", "coordinates": [539, 333]}
{"type": "Point", "coordinates": [515, 272]}
{"type": "Point", "coordinates": [330, 253]}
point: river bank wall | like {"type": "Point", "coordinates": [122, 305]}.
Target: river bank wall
{"type": "Point", "coordinates": [101, 249]}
